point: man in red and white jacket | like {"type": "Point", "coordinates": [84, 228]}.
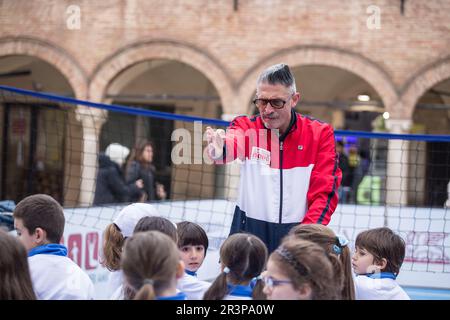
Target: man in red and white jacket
{"type": "Point", "coordinates": [290, 172]}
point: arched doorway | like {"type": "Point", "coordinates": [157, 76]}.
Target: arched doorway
{"type": "Point", "coordinates": [431, 160]}
{"type": "Point", "coordinates": [169, 86]}
{"type": "Point", "coordinates": [34, 146]}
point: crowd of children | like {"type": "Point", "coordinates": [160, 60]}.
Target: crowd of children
{"type": "Point", "coordinates": [150, 257]}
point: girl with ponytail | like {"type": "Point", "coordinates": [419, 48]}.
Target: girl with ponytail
{"type": "Point", "coordinates": [337, 251]}
{"type": "Point", "coordinates": [243, 257]}
{"type": "Point", "coordinates": [151, 266]}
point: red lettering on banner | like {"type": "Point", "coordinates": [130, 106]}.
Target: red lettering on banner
{"type": "Point", "coordinates": [426, 247]}
{"type": "Point", "coordinates": [91, 251]}
{"type": "Point", "coordinates": [74, 247]}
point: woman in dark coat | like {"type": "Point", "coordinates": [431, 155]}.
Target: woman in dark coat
{"type": "Point", "coordinates": [140, 166]}
{"type": "Point", "coordinates": [111, 186]}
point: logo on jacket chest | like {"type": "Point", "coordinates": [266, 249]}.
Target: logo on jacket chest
{"type": "Point", "coordinates": [260, 155]}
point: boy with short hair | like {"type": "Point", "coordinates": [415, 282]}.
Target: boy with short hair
{"type": "Point", "coordinates": [378, 256]}
{"type": "Point", "coordinates": [39, 222]}
{"type": "Point", "coordinates": [192, 243]}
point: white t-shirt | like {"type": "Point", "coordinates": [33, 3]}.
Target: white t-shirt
{"type": "Point", "coordinates": [232, 297]}
{"type": "Point", "coordinates": [115, 285]}
{"type": "Point", "coordinates": [118, 294]}
{"type": "Point", "coordinates": [367, 288]}
{"type": "Point", "coordinates": [239, 292]}
{"type": "Point", "coordinates": [192, 287]}
{"type": "Point", "coordinates": [57, 277]}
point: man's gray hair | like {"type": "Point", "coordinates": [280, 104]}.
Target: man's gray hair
{"type": "Point", "coordinates": [278, 74]}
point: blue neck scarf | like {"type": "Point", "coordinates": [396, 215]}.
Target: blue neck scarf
{"type": "Point", "coordinates": [381, 275]}
{"type": "Point", "coordinates": [240, 290]}
{"type": "Point", "coordinates": [191, 273]}
{"type": "Point", "coordinates": [52, 248]}
{"type": "Point", "coordinates": [178, 296]}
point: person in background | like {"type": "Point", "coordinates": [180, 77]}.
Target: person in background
{"type": "Point", "coordinates": [354, 171]}
{"type": "Point", "coordinates": [345, 188]}
{"type": "Point", "coordinates": [140, 166]}
{"type": "Point", "coordinates": [110, 183]}
{"type": "Point", "coordinates": [447, 202]}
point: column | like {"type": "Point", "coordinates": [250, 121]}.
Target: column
{"type": "Point", "coordinates": [397, 163]}
{"type": "Point", "coordinates": [91, 120]}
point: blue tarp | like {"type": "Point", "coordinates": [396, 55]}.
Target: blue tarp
{"type": "Point", "coordinates": [6, 219]}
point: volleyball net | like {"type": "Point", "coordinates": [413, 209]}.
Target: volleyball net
{"type": "Point", "coordinates": [51, 144]}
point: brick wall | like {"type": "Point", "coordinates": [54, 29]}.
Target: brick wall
{"type": "Point", "coordinates": [237, 44]}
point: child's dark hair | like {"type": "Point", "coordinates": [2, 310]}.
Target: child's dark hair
{"type": "Point", "coordinates": [157, 223]}
{"type": "Point", "coordinates": [42, 211]}
{"type": "Point", "coordinates": [383, 243]}
{"type": "Point", "coordinates": [245, 256]}
{"type": "Point", "coordinates": [340, 256]}
{"type": "Point", "coordinates": [191, 234]}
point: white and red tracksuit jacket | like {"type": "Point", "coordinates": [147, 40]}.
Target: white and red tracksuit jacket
{"type": "Point", "coordinates": [285, 180]}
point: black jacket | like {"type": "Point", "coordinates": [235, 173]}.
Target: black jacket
{"type": "Point", "coordinates": [345, 168]}
{"type": "Point", "coordinates": [136, 171]}
{"type": "Point", "coordinates": [111, 186]}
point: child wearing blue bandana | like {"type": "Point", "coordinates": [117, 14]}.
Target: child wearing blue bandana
{"type": "Point", "coordinates": [39, 222]}
{"type": "Point", "coordinates": [378, 256]}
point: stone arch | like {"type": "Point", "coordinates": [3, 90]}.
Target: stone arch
{"type": "Point", "coordinates": [423, 80]}
{"type": "Point", "coordinates": [77, 79]}
{"type": "Point", "coordinates": [355, 63]}
{"type": "Point", "coordinates": [197, 58]}
{"type": "Point", "coordinates": [53, 55]}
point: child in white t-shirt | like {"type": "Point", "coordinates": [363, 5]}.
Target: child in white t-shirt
{"type": "Point", "coordinates": [378, 256]}
{"type": "Point", "coordinates": [193, 244]}
{"type": "Point", "coordinates": [39, 221]}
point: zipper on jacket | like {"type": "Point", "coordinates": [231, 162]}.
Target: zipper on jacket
{"type": "Point", "coordinates": [281, 181]}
